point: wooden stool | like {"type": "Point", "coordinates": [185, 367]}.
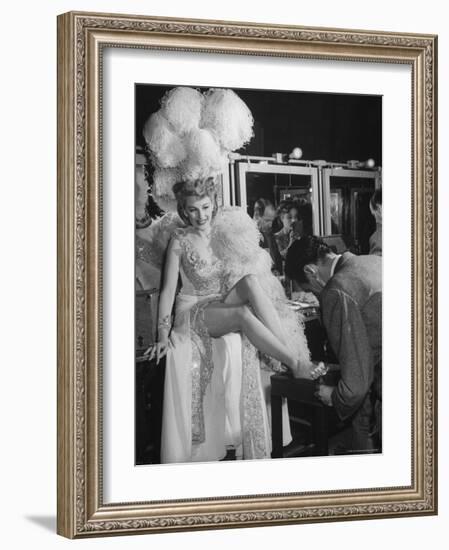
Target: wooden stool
{"type": "Point", "coordinates": [301, 390]}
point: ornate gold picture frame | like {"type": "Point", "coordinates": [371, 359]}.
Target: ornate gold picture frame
{"type": "Point", "coordinates": [82, 40]}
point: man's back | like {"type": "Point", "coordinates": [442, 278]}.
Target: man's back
{"type": "Point", "coordinates": [352, 315]}
{"type": "Point", "coordinates": [360, 278]}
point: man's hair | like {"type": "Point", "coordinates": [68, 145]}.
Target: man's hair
{"type": "Point", "coordinates": [376, 199]}
{"type": "Point", "coordinates": [306, 250]}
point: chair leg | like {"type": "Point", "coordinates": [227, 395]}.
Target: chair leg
{"type": "Point", "coordinates": [321, 429]}
{"type": "Point", "coordinates": [276, 426]}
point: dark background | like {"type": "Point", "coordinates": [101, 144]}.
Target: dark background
{"type": "Point", "coordinates": [332, 127]}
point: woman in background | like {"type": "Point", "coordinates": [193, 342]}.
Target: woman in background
{"type": "Point", "coordinates": [288, 214]}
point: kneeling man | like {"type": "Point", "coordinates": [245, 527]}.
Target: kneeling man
{"type": "Point", "coordinates": [351, 305]}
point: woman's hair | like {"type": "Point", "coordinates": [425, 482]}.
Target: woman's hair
{"type": "Point", "coordinates": [200, 188]}
{"type": "Point", "coordinates": [261, 204]}
{"type": "Point", "coordinates": [306, 250]}
{"type": "Point", "coordinates": [376, 199]}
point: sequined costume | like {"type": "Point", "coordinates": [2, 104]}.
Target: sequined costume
{"type": "Point", "coordinates": [217, 390]}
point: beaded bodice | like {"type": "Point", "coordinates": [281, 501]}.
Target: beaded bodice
{"type": "Point", "coordinates": [202, 275]}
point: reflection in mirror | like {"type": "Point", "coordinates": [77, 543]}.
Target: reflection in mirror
{"type": "Point", "coordinates": [350, 213]}
{"type": "Point", "coordinates": [281, 203]}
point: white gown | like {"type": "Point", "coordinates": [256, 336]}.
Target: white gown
{"type": "Point", "coordinates": [215, 393]}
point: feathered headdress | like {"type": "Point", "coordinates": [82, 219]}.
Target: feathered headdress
{"type": "Point", "coordinates": [191, 136]}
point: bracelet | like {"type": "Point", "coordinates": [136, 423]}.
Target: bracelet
{"type": "Point", "coordinates": [165, 322]}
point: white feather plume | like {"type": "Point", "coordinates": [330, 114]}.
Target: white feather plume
{"type": "Point", "coordinates": [204, 157]}
{"type": "Point", "coordinates": [228, 117]}
{"type": "Point", "coordinates": [236, 242]}
{"type": "Point", "coordinates": [182, 107]}
{"type": "Point", "coordinates": [163, 181]}
{"type": "Point", "coordinates": [167, 148]}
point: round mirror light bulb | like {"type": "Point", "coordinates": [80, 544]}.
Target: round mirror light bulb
{"type": "Point", "coordinates": [296, 153]}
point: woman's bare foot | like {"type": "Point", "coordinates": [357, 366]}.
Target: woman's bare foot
{"type": "Point", "coordinates": [303, 370]}
{"type": "Point", "coordinates": [309, 371]}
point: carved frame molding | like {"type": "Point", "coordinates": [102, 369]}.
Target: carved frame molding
{"type": "Point", "coordinates": [81, 38]}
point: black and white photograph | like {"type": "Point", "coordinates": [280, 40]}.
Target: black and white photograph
{"type": "Point", "coordinates": [258, 274]}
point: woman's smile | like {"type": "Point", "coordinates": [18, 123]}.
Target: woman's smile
{"type": "Point", "coordinates": [199, 212]}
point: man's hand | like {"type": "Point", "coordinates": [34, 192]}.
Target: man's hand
{"type": "Point", "coordinates": [324, 394]}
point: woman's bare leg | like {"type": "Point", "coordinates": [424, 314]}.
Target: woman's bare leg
{"type": "Point", "coordinates": [221, 319]}
{"type": "Point", "coordinates": [249, 291]}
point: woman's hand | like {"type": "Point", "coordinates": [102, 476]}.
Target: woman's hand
{"type": "Point", "coordinates": [158, 350]}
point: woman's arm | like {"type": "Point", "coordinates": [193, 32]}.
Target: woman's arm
{"type": "Point", "coordinates": [169, 284]}
{"type": "Point", "coordinates": [166, 299]}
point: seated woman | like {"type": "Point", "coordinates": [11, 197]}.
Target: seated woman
{"type": "Point", "coordinates": [226, 324]}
